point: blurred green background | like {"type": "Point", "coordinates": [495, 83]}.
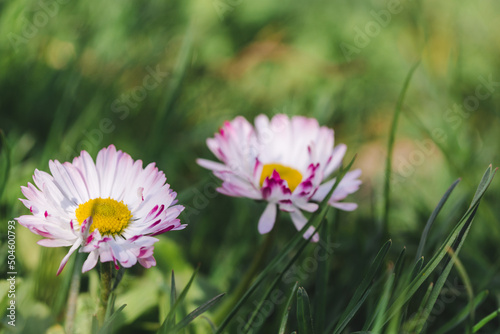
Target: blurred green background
{"type": "Point", "coordinates": [156, 78]}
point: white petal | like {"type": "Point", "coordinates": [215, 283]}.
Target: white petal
{"type": "Point", "coordinates": [345, 206]}
{"type": "Point", "coordinates": [54, 243]}
{"type": "Point", "coordinates": [300, 221]}
{"type": "Point", "coordinates": [211, 165]}
{"type": "Point", "coordinates": [267, 219]}
{"type": "Point", "coordinates": [91, 261]}
{"type": "Point", "coordinates": [66, 258]}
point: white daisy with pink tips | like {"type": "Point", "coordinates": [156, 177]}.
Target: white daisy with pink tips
{"type": "Point", "coordinates": [283, 161]}
{"type": "Point", "coordinates": [111, 209]}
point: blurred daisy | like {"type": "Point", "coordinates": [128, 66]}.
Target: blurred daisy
{"type": "Point", "coordinates": [111, 209]}
{"type": "Point", "coordinates": [282, 161]}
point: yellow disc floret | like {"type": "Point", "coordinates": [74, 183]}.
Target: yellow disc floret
{"type": "Point", "coordinates": [292, 176]}
{"type": "Point", "coordinates": [109, 216]}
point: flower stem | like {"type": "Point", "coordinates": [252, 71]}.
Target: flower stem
{"type": "Point", "coordinates": [247, 279]}
{"type": "Point", "coordinates": [106, 275]}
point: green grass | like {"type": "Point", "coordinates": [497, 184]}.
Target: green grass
{"type": "Point", "coordinates": [69, 84]}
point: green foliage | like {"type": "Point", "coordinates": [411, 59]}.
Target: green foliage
{"type": "Point", "coordinates": [74, 82]}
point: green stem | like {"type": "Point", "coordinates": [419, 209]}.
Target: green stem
{"type": "Point", "coordinates": [242, 287]}
{"type": "Point", "coordinates": [106, 275]}
{"type": "Point", "coordinates": [74, 290]}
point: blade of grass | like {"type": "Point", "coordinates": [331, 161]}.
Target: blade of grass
{"type": "Point", "coordinates": [304, 319]}
{"type": "Point", "coordinates": [173, 298]}
{"type": "Point", "coordinates": [468, 287]}
{"type": "Point", "coordinates": [164, 327]}
{"type": "Point", "coordinates": [315, 219]}
{"type": "Point", "coordinates": [278, 278]}
{"type": "Point", "coordinates": [322, 282]}
{"type": "Point", "coordinates": [350, 315]}
{"type": "Point", "coordinates": [444, 275]}
{"type": "Point", "coordinates": [288, 307]}
{"type": "Point", "coordinates": [432, 218]}
{"type": "Point", "coordinates": [462, 315]}
{"type": "Point", "coordinates": [390, 147]}
{"type": "Point", "coordinates": [450, 240]}
{"type": "Point", "coordinates": [173, 91]}
{"type": "Point", "coordinates": [109, 321]}
{"type": "Point", "coordinates": [414, 322]}
{"type": "Point", "coordinates": [246, 280]}
{"type": "Point", "coordinates": [360, 293]}
{"type": "Point", "coordinates": [485, 320]}
{"type": "Point", "coordinates": [198, 311]}
{"type": "Point", "coordinates": [398, 267]}
{"type": "Point", "coordinates": [382, 306]}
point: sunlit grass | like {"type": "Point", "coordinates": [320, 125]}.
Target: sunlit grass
{"type": "Point", "coordinates": [76, 84]}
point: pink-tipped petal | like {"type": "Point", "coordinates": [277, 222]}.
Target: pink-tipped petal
{"type": "Point", "coordinates": [66, 258]}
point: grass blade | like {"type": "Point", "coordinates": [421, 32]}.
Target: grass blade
{"type": "Point", "coordinates": [485, 320]}
{"type": "Point", "coordinates": [200, 310]}
{"type": "Point", "coordinates": [462, 315]}
{"type": "Point", "coordinates": [173, 298]}
{"type": "Point", "coordinates": [109, 321]}
{"type": "Point", "coordinates": [354, 309]}
{"type": "Point", "coordinates": [390, 147]}
{"type": "Point", "coordinates": [168, 320]}
{"type": "Point", "coordinates": [278, 279]}
{"type": "Point", "coordinates": [322, 282]}
{"type": "Point", "coordinates": [288, 307]}
{"type": "Point", "coordinates": [432, 218]}
{"type": "Point", "coordinates": [304, 319]}
{"type": "Point", "coordinates": [382, 306]}
{"type": "Point", "coordinates": [459, 230]}
{"type": "Point", "coordinates": [360, 293]}
{"type": "Point", "coordinates": [316, 218]}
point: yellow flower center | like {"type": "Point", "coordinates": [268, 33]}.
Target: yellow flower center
{"type": "Point", "coordinates": [108, 215]}
{"type": "Point", "coordinates": [290, 175]}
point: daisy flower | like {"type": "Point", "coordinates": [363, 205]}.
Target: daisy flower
{"type": "Point", "coordinates": [111, 209]}
{"type": "Point", "coordinates": [282, 161]}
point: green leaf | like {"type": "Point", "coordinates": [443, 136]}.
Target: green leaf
{"type": "Point", "coordinates": [485, 320]}
{"type": "Point", "coordinates": [382, 305]}
{"type": "Point", "coordinates": [304, 319]}
{"type": "Point", "coordinates": [454, 240]}
{"type": "Point", "coordinates": [106, 327]}
{"type": "Point", "coordinates": [278, 278]}
{"type": "Point", "coordinates": [288, 307]}
{"type": "Point", "coordinates": [362, 291]}
{"type": "Point", "coordinates": [462, 315]}
{"type": "Point", "coordinates": [432, 218]}
{"type": "Point", "coordinates": [200, 310]}
{"type": "Point", "coordinates": [173, 298]}
{"type": "Point", "coordinates": [390, 146]}
{"type": "Point", "coordinates": [417, 268]}
{"type": "Point", "coordinates": [322, 281]}
{"type": "Point", "coordinates": [168, 320]}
